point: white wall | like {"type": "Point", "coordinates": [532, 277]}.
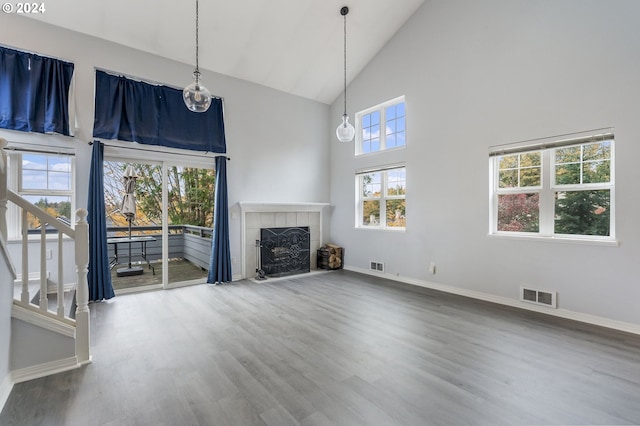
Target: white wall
{"type": "Point", "coordinates": [277, 142]}
{"type": "Point", "coordinates": [477, 74]}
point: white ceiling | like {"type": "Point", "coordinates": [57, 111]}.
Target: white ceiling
{"type": "Point", "coordinates": [291, 45]}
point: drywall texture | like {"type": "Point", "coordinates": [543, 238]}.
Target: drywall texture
{"type": "Point", "coordinates": [479, 74]}
{"type": "Point", "coordinates": [277, 142]}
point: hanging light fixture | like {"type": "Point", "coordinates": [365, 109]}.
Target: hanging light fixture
{"type": "Point", "coordinates": [345, 131]}
{"type": "Point", "coordinates": [196, 97]}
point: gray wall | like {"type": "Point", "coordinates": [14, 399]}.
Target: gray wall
{"type": "Point", "coordinates": [6, 297]}
{"type": "Point", "coordinates": [277, 142]}
{"type": "Point", "coordinates": [477, 74]}
{"type": "Point", "coordinates": [32, 345]}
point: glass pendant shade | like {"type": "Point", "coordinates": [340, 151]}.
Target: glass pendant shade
{"type": "Point", "coordinates": [345, 131]}
{"type": "Point", "coordinates": [196, 97]}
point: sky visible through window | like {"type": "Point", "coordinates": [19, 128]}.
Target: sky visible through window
{"type": "Point", "coordinates": [392, 118]}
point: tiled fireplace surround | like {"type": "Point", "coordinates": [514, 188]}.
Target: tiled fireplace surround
{"type": "Point", "coordinates": [275, 215]}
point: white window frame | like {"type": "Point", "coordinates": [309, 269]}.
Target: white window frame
{"type": "Point", "coordinates": [14, 183]}
{"type": "Point", "coordinates": [381, 108]}
{"type": "Point", "coordinates": [548, 187]}
{"type": "Point", "coordinates": [360, 198]}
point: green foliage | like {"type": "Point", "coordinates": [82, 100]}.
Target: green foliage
{"type": "Point", "coordinates": [583, 213]}
{"type": "Point", "coordinates": [190, 194]}
{"type": "Point", "coordinates": [579, 210]}
{"type": "Point", "coordinates": [520, 170]}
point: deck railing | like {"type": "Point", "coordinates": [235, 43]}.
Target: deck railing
{"type": "Point", "coordinates": [189, 242]}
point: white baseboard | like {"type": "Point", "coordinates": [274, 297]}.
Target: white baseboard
{"type": "Point", "coordinates": [562, 313]}
{"type": "Point", "coordinates": [5, 390]}
{"type": "Point", "coordinates": [43, 370]}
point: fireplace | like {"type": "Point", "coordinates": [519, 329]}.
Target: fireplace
{"type": "Point", "coordinates": [285, 251]}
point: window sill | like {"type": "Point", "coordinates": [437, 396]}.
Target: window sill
{"type": "Point", "coordinates": [559, 240]}
{"type": "Point", "coordinates": [379, 228]}
{"type": "Point", "coordinates": [382, 151]}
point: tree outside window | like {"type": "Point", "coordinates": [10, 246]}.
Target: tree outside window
{"type": "Point", "coordinates": [381, 199]}
{"type": "Point", "coordinates": [575, 200]}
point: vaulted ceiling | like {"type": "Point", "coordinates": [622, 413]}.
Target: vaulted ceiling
{"type": "Point", "coordinates": [295, 46]}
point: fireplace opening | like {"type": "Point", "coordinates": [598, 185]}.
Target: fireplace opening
{"type": "Point", "coordinates": [285, 251]}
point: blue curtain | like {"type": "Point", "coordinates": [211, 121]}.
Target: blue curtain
{"type": "Point", "coordinates": [135, 111]}
{"type": "Point", "coordinates": [34, 92]}
{"type": "Point", "coordinates": [220, 264]}
{"type": "Point", "coordinates": [99, 275]}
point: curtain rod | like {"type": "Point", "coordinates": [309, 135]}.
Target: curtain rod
{"type": "Point", "coordinates": [144, 80]}
{"type": "Point", "coordinates": [41, 151]}
{"type": "Point", "coordinates": [31, 52]}
{"type": "Point", "coordinates": [138, 148]}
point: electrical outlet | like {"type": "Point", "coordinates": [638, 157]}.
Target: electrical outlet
{"type": "Point", "coordinates": [432, 268]}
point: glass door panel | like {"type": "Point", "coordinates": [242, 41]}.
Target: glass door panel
{"type": "Point", "coordinates": [133, 210]}
{"type": "Point", "coordinates": [190, 204]}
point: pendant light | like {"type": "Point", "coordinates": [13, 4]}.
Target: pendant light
{"type": "Point", "coordinates": [345, 131]}
{"type": "Point", "coordinates": [196, 97]}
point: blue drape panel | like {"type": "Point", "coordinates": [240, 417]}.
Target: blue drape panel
{"type": "Point", "coordinates": [135, 111]}
{"type": "Point", "coordinates": [99, 275]}
{"type": "Point", "coordinates": [220, 264]}
{"type": "Point", "coordinates": [34, 92]}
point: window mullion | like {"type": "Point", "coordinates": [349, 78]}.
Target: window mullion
{"type": "Point", "coordinates": [547, 195]}
{"type": "Point", "coordinates": [383, 199]}
{"type": "Point", "coordinates": [383, 129]}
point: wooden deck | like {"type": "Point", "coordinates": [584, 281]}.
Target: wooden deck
{"type": "Point", "coordinates": [179, 270]}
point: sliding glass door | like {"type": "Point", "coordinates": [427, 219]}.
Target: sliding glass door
{"type": "Point", "coordinates": [159, 222]}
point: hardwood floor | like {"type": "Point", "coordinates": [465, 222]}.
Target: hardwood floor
{"type": "Point", "coordinates": [335, 348]}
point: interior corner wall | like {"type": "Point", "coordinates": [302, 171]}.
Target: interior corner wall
{"type": "Point", "coordinates": [277, 142]}
{"type": "Point", "coordinates": [478, 74]}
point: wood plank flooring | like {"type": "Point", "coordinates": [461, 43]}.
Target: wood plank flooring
{"type": "Point", "coordinates": [334, 349]}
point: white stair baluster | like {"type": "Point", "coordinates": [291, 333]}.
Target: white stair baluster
{"type": "Point", "coordinates": [44, 300]}
{"type": "Point", "coordinates": [60, 277]}
{"type": "Point", "coordinates": [24, 297]}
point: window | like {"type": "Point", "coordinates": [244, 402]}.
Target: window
{"type": "Point", "coordinates": [381, 128]}
{"type": "Point", "coordinates": [381, 198]}
{"type": "Point", "coordinates": [45, 180]}
{"type": "Point", "coordinates": [563, 188]}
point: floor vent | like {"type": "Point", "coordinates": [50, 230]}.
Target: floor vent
{"type": "Point", "coordinates": [376, 266]}
{"type": "Point", "coordinates": [539, 297]}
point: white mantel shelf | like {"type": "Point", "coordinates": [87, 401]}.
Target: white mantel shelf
{"type": "Point", "coordinates": [257, 206]}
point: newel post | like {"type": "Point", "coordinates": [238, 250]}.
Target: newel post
{"type": "Point", "coordinates": [82, 288]}
{"type": "Point", "coordinates": [3, 188]}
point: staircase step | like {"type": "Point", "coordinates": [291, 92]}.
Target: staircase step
{"type": "Point", "coordinates": [52, 299]}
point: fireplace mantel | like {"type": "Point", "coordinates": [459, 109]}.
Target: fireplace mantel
{"type": "Point", "coordinates": [253, 206]}
{"type": "Point", "coordinates": [259, 214]}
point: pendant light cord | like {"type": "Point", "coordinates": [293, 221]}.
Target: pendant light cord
{"type": "Point", "coordinates": [197, 31]}
{"type": "Point", "coordinates": [345, 61]}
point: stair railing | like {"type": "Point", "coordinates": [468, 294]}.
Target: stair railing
{"type": "Point", "coordinates": [80, 234]}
